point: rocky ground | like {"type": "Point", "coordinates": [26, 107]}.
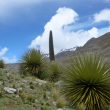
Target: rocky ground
{"type": "Point", "coordinates": [29, 93]}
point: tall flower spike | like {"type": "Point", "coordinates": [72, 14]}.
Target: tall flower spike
{"type": "Point", "coordinates": [51, 47]}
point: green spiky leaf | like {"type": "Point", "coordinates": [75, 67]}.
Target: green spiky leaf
{"type": "Point", "coordinates": [87, 81]}
{"type": "Point", "coordinates": [32, 62]}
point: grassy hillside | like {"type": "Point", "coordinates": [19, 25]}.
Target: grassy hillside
{"type": "Point", "coordinates": [31, 93]}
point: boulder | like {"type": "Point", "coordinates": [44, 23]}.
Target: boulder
{"type": "Point", "coordinates": [60, 109]}
{"type": "Point", "coordinates": [10, 90]}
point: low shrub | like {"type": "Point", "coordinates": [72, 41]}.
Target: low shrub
{"type": "Point", "coordinates": [32, 63]}
{"type": "Point", "coordinates": [61, 102]}
{"type": "Point", "coordinates": [2, 64]}
{"type": "Point", "coordinates": [30, 98]}
{"type": "Point", "coordinates": [54, 71]}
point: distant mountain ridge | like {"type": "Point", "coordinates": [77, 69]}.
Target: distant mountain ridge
{"type": "Point", "coordinates": [13, 67]}
{"type": "Point", "coordinates": [100, 45]}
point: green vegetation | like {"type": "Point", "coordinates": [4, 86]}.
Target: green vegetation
{"type": "Point", "coordinates": [33, 63]}
{"type": "Point", "coordinates": [54, 71]}
{"type": "Point", "coordinates": [83, 85]}
{"type": "Point", "coordinates": [41, 97]}
{"type": "Point", "coordinates": [2, 64]}
{"type": "Point", "coordinates": [87, 82]}
{"type": "Point", "coordinates": [51, 47]}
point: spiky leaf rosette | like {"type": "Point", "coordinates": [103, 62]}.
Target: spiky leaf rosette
{"type": "Point", "coordinates": [87, 81]}
{"type": "Point", "coordinates": [32, 62]}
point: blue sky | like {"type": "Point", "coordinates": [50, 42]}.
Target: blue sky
{"type": "Point", "coordinates": [25, 24]}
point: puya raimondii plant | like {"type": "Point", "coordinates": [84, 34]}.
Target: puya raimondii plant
{"type": "Point", "coordinates": [32, 62]}
{"type": "Point", "coordinates": [87, 81]}
{"type": "Point", "coordinates": [2, 64]}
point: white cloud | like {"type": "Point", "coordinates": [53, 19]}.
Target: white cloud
{"type": "Point", "coordinates": [64, 16]}
{"type": "Point", "coordinates": [3, 56]}
{"type": "Point", "coordinates": [10, 60]}
{"type": "Point", "coordinates": [103, 15]}
{"type": "Point", "coordinates": [3, 51]}
{"type": "Point", "coordinates": [63, 38]}
{"type": "Point", "coordinates": [104, 30]}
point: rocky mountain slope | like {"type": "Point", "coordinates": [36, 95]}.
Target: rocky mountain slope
{"type": "Point", "coordinates": [100, 45]}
